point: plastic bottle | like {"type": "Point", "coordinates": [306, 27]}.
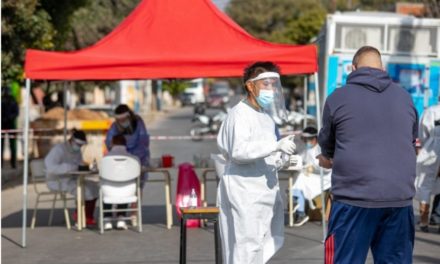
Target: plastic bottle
{"type": "Point", "coordinates": [193, 199]}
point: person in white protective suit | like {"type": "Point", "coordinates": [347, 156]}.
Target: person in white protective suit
{"type": "Point", "coordinates": [428, 162]}
{"type": "Point", "coordinates": [64, 158]}
{"type": "Point", "coordinates": [251, 208]}
{"type": "Point", "coordinates": [308, 184]}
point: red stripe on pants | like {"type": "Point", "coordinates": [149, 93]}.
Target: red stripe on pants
{"type": "Point", "coordinates": [329, 249]}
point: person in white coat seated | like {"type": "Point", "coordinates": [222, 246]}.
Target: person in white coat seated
{"type": "Point", "coordinates": [67, 157]}
{"type": "Point", "coordinates": [118, 148]}
{"type": "Point", "coordinates": [428, 162]}
{"type": "Point", "coordinates": [251, 216]}
{"type": "Point", "coordinates": [308, 183]}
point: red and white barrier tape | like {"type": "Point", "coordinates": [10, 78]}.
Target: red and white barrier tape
{"type": "Point", "coordinates": [155, 138]}
{"type": "Point", "coordinates": [18, 134]}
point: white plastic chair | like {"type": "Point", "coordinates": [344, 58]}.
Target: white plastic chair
{"type": "Point", "coordinates": [38, 175]}
{"type": "Point", "coordinates": [120, 184]}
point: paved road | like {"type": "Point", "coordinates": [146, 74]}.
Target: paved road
{"type": "Point", "coordinates": [156, 244]}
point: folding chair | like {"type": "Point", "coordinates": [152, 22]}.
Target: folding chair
{"type": "Point", "coordinates": [38, 176]}
{"type": "Point", "coordinates": [120, 184]}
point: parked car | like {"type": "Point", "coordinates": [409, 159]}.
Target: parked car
{"type": "Point", "coordinates": [194, 93]}
{"type": "Point", "coordinates": [218, 94]}
{"type": "Point", "coordinates": [187, 98]}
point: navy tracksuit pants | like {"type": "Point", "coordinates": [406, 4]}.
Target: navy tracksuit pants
{"type": "Point", "coordinates": [352, 230]}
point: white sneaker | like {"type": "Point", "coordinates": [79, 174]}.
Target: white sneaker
{"type": "Point", "coordinates": [295, 207]}
{"type": "Point", "coordinates": [108, 226]}
{"type": "Point", "coordinates": [301, 220]}
{"type": "Point", "coordinates": [121, 225]}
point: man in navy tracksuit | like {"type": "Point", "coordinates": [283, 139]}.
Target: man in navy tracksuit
{"type": "Point", "coordinates": [368, 136]}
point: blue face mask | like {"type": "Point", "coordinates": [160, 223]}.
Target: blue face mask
{"type": "Point", "coordinates": [125, 124]}
{"type": "Point", "coordinates": [309, 145]}
{"type": "Point", "coordinates": [76, 148]}
{"type": "Point", "coordinates": [265, 98]}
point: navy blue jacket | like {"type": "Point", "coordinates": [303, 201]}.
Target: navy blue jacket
{"type": "Point", "coordinates": [369, 130]}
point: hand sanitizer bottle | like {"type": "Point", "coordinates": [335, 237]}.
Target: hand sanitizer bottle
{"type": "Point", "coordinates": [193, 199]}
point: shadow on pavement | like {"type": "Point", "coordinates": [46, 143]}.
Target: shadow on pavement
{"type": "Point", "coordinates": [11, 241]}
{"type": "Point", "coordinates": [425, 259]}
{"type": "Point", "coordinates": [428, 241]}
{"type": "Point", "coordinates": [151, 214]}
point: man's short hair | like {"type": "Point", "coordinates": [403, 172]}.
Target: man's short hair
{"type": "Point", "coordinates": [364, 51]}
{"type": "Point", "coordinates": [256, 68]}
{"type": "Point", "coordinates": [119, 140]}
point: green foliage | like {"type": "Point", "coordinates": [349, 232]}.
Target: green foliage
{"type": "Point", "coordinates": [283, 21]}
{"type": "Point", "coordinates": [97, 19]}
{"type": "Point", "coordinates": [306, 26]}
{"type": "Point", "coordinates": [61, 13]}
{"type": "Point", "coordinates": [23, 26]}
{"type": "Point", "coordinates": [367, 5]}
{"type": "Point", "coordinates": [54, 25]}
{"type": "Point", "coordinates": [174, 86]}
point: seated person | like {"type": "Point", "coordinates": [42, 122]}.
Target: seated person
{"type": "Point", "coordinates": [64, 158]}
{"type": "Point", "coordinates": [118, 148]}
{"type": "Point", "coordinates": [308, 183]}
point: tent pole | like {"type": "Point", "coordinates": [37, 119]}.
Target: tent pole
{"type": "Point", "coordinates": [305, 98]}
{"type": "Point", "coordinates": [26, 161]}
{"type": "Point", "coordinates": [65, 110]}
{"type": "Point", "coordinates": [318, 117]}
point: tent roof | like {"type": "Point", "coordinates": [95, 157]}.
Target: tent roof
{"type": "Point", "coordinates": [170, 39]}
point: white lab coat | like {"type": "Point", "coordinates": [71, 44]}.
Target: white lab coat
{"type": "Point", "coordinates": [428, 159]}
{"type": "Point", "coordinates": [309, 180]}
{"type": "Point", "coordinates": [251, 207]}
{"type": "Point", "coordinates": [61, 160]}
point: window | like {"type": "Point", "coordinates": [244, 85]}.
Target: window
{"type": "Point", "coordinates": [412, 40]}
{"type": "Point", "coordinates": [354, 36]}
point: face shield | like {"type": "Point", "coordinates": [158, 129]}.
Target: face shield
{"type": "Point", "coordinates": [76, 144]}
{"type": "Point", "coordinates": [123, 119]}
{"type": "Point", "coordinates": [270, 97]}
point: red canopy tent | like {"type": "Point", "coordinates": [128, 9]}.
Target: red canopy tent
{"type": "Point", "coordinates": [170, 39]}
{"type": "Point", "coordinates": [165, 39]}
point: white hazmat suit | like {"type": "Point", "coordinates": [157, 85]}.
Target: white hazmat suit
{"type": "Point", "coordinates": [61, 160]}
{"type": "Point", "coordinates": [428, 159]}
{"type": "Point", "coordinates": [251, 207]}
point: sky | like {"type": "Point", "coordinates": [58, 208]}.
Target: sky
{"type": "Point", "coordinates": [221, 3]}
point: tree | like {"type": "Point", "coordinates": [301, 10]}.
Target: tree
{"type": "Point", "coordinates": [306, 26]}
{"type": "Point", "coordinates": [432, 8]}
{"type": "Point", "coordinates": [61, 14]}
{"type": "Point", "coordinates": [282, 21]}
{"type": "Point", "coordinates": [54, 25]}
{"type": "Point", "coordinates": [24, 26]}
{"type": "Point", "coordinates": [95, 20]}
{"type": "Point", "coordinates": [174, 87]}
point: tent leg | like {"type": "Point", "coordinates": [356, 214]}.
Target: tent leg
{"type": "Point", "coordinates": [305, 98]}
{"type": "Point", "coordinates": [65, 110]}
{"type": "Point", "coordinates": [318, 117]}
{"type": "Point", "coordinates": [26, 161]}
